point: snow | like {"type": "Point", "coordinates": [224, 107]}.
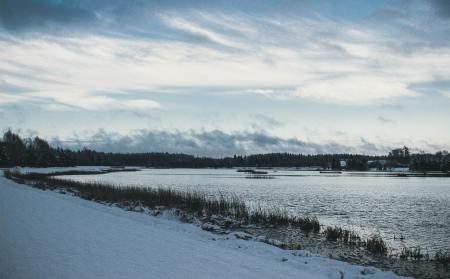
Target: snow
{"type": "Point", "coordinates": [45, 234]}
{"type": "Point", "coordinates": [61, 169]}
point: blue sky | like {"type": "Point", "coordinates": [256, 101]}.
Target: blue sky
{"type": "Point", "coordinates": [223, 77]}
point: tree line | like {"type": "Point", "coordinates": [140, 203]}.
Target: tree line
{"type": "Point", "coordinates": [36, 152]}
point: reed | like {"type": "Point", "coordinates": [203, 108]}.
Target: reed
{"type": "Point", "coordinates": [194, 202]}
{"type": "Point", "coordinates": [376, 245]}
{"type": "Point", "coordinates": [442, 257]}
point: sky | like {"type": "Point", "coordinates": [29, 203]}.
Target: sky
{"type": "Point", "coordinates": [217, 78]}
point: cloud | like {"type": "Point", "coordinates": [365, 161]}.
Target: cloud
{"type": "Point", "coordinates": [81, 100]}
{"type": "Point", "coordinates": [354, 90]}
{"type": "Point", "coordinates": [214, 143]}
{"type": "Point", "coordinates": [281, 94]}
{"type": "Point", "coordinates": [198, 33]}
{"type": "Point", "coordinates": [339, 133]}
{"type": "Point", "coordinates": [264, 122]}
{"type": "Point", "coordinates": [371, 148]}
{"type": "Point", "coordinates": [57, 107]}
{"type": "Point", "coordinates": [144, 115]}
{"type": "Point", "coordinates": [201, 45]}
{"type": "Point", "coordinates": [139, 104]}
{"type": "Point", "coordinates": [134, 16]}
{"type": "Point", "coordinates": [392, 106]}
{"type": "Point", "coordinates": [383, 119]}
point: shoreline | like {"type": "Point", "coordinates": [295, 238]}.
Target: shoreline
{"type": "Point", "coordinates": [64, 236]}
{"type": "Point", "coordinates": [329, 248]}
{"type": "Point", "coordinates": [86, 170]}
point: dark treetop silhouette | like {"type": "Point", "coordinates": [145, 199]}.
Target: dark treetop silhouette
{"type": "Point", "coordinates": [36, 152]}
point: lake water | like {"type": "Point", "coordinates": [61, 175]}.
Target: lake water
{"type": "Point", "coordinates": [417, 208]}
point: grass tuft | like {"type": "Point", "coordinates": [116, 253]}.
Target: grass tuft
{"type": "Point", "coordinates": [376, 245]}
{"type": "Point", "coordinates": [413, 254]}
{"type": "Point", "coordinates": [442, 257]}
{"type": "Point", "coordinates": [333, 233]}
{"type": "Point", "coordinates": [337, 233]}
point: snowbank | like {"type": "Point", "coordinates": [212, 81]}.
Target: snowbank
{"type": "Point", "coordinates": [61, 169]}
{"type": "Point", "coordinates": [49, 235]}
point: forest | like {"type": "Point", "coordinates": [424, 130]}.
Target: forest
{"type": "Point", "coordinates": [36, 152]}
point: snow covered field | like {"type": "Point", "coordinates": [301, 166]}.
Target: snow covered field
{"type": "Point", "coordinates": [49, 235]}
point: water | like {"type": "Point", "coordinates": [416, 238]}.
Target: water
{"type": "Point", "coordinates": [416, 209]}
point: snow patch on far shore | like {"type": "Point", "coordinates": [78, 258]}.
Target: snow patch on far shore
{"type": "Point", "coordinates": [60, 169]}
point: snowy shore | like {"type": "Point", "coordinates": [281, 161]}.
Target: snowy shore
{"type": "Point", "coordinates": [49, 235]}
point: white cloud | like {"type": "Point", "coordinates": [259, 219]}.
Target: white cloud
{"type": "Point", "coordinates": [81, 100]}
{"type": "Point", "coordinates": [199, 31]}
{"type": "Point", "coordinates": [141, 104]}
{"type": "Point", "coordinates": [354, 90]}
{"type": "Point", "coordinates": [350, 64]}
{"type": "Point", "coordinates": [57, 107]}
